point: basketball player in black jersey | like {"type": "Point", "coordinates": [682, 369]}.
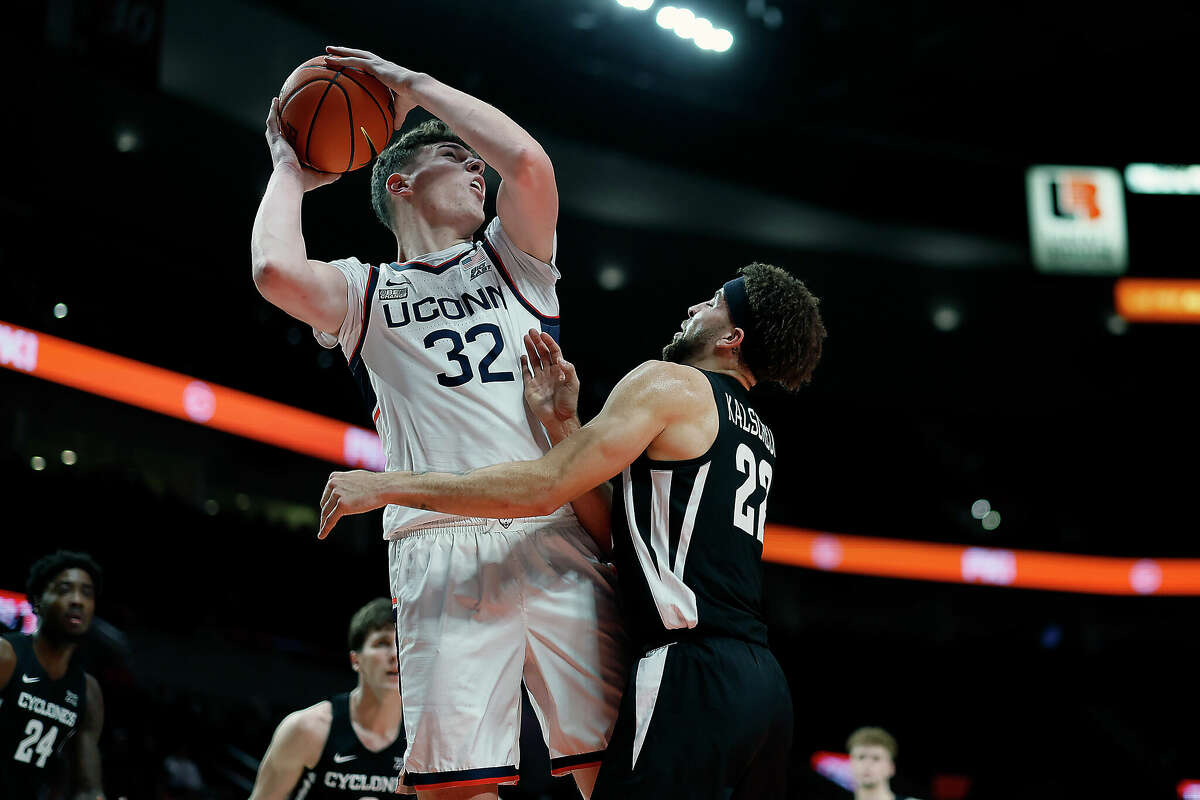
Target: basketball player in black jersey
{"type": "Point", "coordinates": [707, 711]}
{"type": "Point", "coordinates": [351, 745]}
{"type": "Point", "coordinates": [46, 698]}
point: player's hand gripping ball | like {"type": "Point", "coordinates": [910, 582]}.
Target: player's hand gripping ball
{"type": "Point", "coordinates": [336, 118]}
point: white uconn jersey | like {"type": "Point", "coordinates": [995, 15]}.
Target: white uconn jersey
{"type": "Point", "coordinates": [435, 344]}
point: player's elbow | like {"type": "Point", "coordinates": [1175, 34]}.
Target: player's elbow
{"type": "Point", "coordinates": [531, 167]}
{"type": "Point", "coordinates": [271, 276]}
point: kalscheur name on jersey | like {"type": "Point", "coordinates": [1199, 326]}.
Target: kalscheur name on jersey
{"type": "Point", "coordinates": [749, 421]}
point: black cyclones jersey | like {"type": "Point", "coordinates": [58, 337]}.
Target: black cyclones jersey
{"type": "Point", "coordinates": [688, 535]}
{"type": "Point", "coordinates": [347, 769]}
{"type": "Point", "coordinates": [37, 717]}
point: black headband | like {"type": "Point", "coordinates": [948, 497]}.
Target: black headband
{"type": "Point", "coordinates": [740, 312]}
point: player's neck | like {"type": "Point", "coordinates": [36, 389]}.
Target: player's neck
{"type": "Point", "coordinates": [715, 362]}
{"type": "Point", "coordinates": [419, 237]}
{"type": "Point", "coordinates": [380, 715]}
{"type": "Point", "coordinates": [52, 654]}
{"type": "Point", "coordinates": [880, 792]}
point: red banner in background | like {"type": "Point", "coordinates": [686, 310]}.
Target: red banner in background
{"type": "Point", "coordinates": [951, 563]}
{"type": "Point", "coordinates": [328, 439]}
{"type": "Point", "coordinates": [1157, 300]}
{"type": "Point", "coordinates": [181, 396]}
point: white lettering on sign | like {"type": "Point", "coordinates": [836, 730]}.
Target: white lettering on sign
{"type": "Point", "coordinates": [18, 349]}
{"type": "Point", "coordinates": [985, 565]}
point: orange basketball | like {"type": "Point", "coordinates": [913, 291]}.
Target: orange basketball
{"type": "Point", "coordinates": [335, 118]}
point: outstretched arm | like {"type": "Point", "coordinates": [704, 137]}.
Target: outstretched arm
{"type": "Point", "coordinates": [87, 746]}
{"type": "Point", "coordinates": [311, 291]}
{"type": "Point", "coordinates": [640, 407]}
{"type": "Point", "coordinates": [552, 393]}
{"type": "Point", "coordinates": [527, 203]}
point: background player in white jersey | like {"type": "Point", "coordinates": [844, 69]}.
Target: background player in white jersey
{"type": "Point", "coordinates": [434, 339]}
{"type": "Point", "coordinates": [48, 704]}
{"type": "Point", "coordinates": [708, 713]}
{"type": "Point", "coordinates": [352, 744]}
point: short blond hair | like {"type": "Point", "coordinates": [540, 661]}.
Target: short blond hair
{"type": "Point", "coordinates": [865, 737]}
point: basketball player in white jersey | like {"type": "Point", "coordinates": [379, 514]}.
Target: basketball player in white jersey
{"type": "Point", "coordinates": [708, 713]}
{"type": "Point", "coordinates": [434, 340]}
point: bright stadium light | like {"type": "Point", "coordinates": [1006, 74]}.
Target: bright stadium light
{"type": "Point", "coordinates": [638, 5]}
{"type": "Point", "coordinates": [702, 33]}
{"type": "Point", "coordinates": [685, 23]}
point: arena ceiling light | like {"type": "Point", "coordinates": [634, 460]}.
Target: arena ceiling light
{"type": "Point", "coordinates": [637, 5]}
{"type": "Point", "coordinates": [686, 25]}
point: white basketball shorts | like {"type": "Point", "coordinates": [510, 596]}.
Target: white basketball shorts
{"type": "Point", "coordinates": [481, 608]}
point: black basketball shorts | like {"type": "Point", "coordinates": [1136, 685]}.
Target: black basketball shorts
{"type": "Point", "coordinates": [702, 718]}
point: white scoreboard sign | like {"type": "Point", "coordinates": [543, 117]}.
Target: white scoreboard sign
{"type": "Point", "coordinates": [1077, 220]}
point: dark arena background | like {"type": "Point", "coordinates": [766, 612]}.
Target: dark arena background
{"type": "Point", "coordinates": [984, 533]}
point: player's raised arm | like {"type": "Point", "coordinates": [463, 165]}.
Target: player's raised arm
{"type": "Point", "coordinates": [297, 744]}
{"type": "Point", "coordinates": [552, 393]}
{"type": "Point", "coordinates": [311, 291]}
{"type": "Point", "coordinates": [527, 203]}
{"type": "Point", "coordinates": [643, 405]}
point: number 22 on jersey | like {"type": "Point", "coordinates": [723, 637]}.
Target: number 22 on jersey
{"type": "Point", "coordinates": [743, 513]}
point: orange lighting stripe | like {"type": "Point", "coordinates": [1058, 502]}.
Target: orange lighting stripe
{"type": "Point", "coordinates": [1026, 569]}
{"type": "Point", "coordinates": [1158, 300]}
{"type": "Point", "coordinates": [187, 398]}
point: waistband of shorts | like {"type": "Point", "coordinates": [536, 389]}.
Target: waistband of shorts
{"type": "Point", "coordinates": [695, 636]}
{"type": "Point", "coordinates": [477, 525]}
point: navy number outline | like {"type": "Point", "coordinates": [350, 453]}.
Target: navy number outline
{"type": "Point", "coordinates": [455, 354]}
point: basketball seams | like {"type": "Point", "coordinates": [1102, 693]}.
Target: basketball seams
{"type": "Point", "coordinates": [387, 124]}
{"type": "Point", "coordinates": [312, 123]}
{"type": "Point", "coordinates": [350, 115]}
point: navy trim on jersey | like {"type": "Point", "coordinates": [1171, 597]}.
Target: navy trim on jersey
{"type": "Point", "coordinates": [461, 777]}
{"type": "Point", "coordinates": [436, 269]}
{"type": "Point", "coordinates": [372, 282]}
{"type": "Point", "coordinates": [358, 368]}
{"type": "Point", "coordinates": [564, 764]}
{"type": "Point", "coordinates": [546, 319]}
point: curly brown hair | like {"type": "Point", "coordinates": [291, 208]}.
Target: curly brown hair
{"type": "Point", "coordinates": [785, 345]}
{"type": "Point", "coordinates": [399, 153]}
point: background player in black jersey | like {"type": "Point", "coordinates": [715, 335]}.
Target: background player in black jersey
{"type": "Point", "coordinates": [873, 764]}
{"type": "Point", "coordinates": [350, 745]}
{"type": "Point", "coordinates": [707, 712]}
{"type": "Point", "coordinates": [46, 698]}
